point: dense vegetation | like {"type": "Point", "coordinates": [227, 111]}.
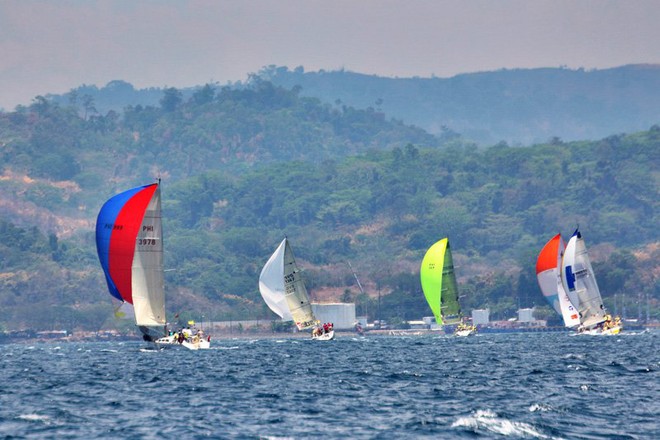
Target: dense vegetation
{"type": "Point", "coordinates": [242, 168]}
{"type": "Point", "coordinates": [519, 106]}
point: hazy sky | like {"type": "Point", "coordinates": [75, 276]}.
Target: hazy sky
{"type": "Point", "coordinates": [54, 46]}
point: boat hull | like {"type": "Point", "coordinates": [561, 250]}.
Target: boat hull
{"type": "Point", "coordinates": [464, 333]}
{"type": "Point", "coordinates": [192, 344]}
{"type": "Point", "coordinates": [325, 336]}
{"type": "Point", "coordinates": [606, 332]}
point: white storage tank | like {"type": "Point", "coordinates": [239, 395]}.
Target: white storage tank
{"type": "Point", "coordinates": [341, 315]}
{"type": "Point", "coordinates": [525, 315]}
{"type": "Point", "coordinates": [480, 316]}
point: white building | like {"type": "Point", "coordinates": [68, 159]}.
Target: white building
{"type": "Point", "coordinates": [480, 316]}
{"type": "Point", "coordinates": [341, 315]}
{"type": "Point", "coordinates": [525, 315]}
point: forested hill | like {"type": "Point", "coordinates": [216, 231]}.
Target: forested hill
{"type": "Point", "coordinates": [519, 106]}
{"type": "Point", "coordinates": [243, 168]}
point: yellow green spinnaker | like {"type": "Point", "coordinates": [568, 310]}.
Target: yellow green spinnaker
{"type": "Point", "coordinates": [439, 283]}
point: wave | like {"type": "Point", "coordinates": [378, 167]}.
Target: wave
{"type": "Point", "coordinates": [34, 418]}
{"type": "Point", "coordinates": [486, 420]}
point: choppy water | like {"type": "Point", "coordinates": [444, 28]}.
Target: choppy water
{"type": "Point", "coordinates": [545, 386]}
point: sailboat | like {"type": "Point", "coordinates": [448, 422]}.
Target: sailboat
{"type": "Point", "coordinates": [283, 289]}
{"type": "Point", "coordinates": [440, 287]}
{"type": "Point", "coordinates": [129, 242]}
{"type": "Point", "coordinates": [579, 282]}
{"type": "Point", "coordinates": [548, 274]}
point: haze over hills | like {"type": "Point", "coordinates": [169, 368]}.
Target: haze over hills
{"type": "Point", "coordinates": [518, 106]}
{"type": "Point", "coordinates": [243, 166]}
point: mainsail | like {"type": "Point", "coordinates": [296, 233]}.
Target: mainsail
{"type": "Point", "coordinates": [129, 242]}
{"type": "Point", "coordinates": [578, 279]}
{"type": "Point", "coordinates": [283, 289]}
{"type": "Point", "coordinates": [439, 283]}
{"type": "Point", "coordinates": [548, 275]}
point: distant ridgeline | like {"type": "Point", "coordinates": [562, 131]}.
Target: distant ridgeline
{"type": "Point", "coordinates": [243, 167]}
{"type": "Point", "coordinates": [518, 106]}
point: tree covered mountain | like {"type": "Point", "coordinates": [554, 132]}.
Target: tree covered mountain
{"type": "Point", "coordinates": [242, 168]}
{"type": "Point", "coordinates": [518, 106]}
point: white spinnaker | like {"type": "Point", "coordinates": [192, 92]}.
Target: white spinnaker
{"type": "Point", "coordinates": [271, 284]}
{"type": "Point", "coordinates": [147, 283]}
{"type": "Point", "coordinates": [548, 284]}
{"type": "Point", "coordinates": [548, 273]}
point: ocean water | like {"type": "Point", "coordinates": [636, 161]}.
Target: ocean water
{"type": "Point", "coordinates": [525, 385]}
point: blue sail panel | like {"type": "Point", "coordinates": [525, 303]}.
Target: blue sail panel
{"type": "Point", "coordinates": [105, 225]}
{"type": "Point", "coordinates": [570, 278]}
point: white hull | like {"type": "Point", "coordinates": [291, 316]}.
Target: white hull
{"type": "Point", "coordinates": [464, 333]}
{"type": "Point", "coordinates": [192, 344]}
{"type": "Point", "coordinates": [325, 336]}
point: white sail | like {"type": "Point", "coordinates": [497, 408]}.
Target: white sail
{"type": "Point", "coordinates": [579, 282]}
{"type": "Point", "coordinates": [548, 273]}
{"type": "Point", "coordinates": [282, 288]}
{"type": "Point", "coordinates": [147, 270]}
{"type": "Point", "coordinates": [568, 310]}
{"type": "Point", "coordinates": [295, 292]}
{"type": "Point", "coordinates": [271, 284]}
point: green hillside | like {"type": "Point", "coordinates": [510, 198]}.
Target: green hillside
{"type": "Point", "coordinates": [242, 168]}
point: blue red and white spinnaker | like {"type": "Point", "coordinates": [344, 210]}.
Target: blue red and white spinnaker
{"type": "Point", "coordinates": [129, 242]}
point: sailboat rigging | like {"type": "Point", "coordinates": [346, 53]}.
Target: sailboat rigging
{"type": "Point", "coordinates": [129, 242]}
{"type": "Point", "coordinates": [568, 282]}
{"type": "Point", "coordinates": [282, 287]}
{"type": "Point", "coordinates": [548, 274]}
{"type": "Point", "coordinates": [579, 282]}
{"type": "Point", "coordinates": [441, 289]}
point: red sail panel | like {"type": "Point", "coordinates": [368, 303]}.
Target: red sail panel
{"type": "Point", "coordinates": [123, 239]}
{"type": "Point", "coordinates": [547, 259]}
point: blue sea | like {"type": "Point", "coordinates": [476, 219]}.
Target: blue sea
{"type": "Point", "coordinates": [523, 385]}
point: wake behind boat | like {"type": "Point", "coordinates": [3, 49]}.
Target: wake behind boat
{"type": "Point", "coordinates": [129, 242]}
{"type": "Point", "coordinates": [283, 289]}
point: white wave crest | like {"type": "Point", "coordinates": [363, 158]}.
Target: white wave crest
{"type": "Point", "coordinates": [487, 420]}
{"type": "Point", "coordinates": [34, 418]}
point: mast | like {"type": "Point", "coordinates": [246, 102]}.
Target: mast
{"type": "Point", "coordinates": [356, 277]}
